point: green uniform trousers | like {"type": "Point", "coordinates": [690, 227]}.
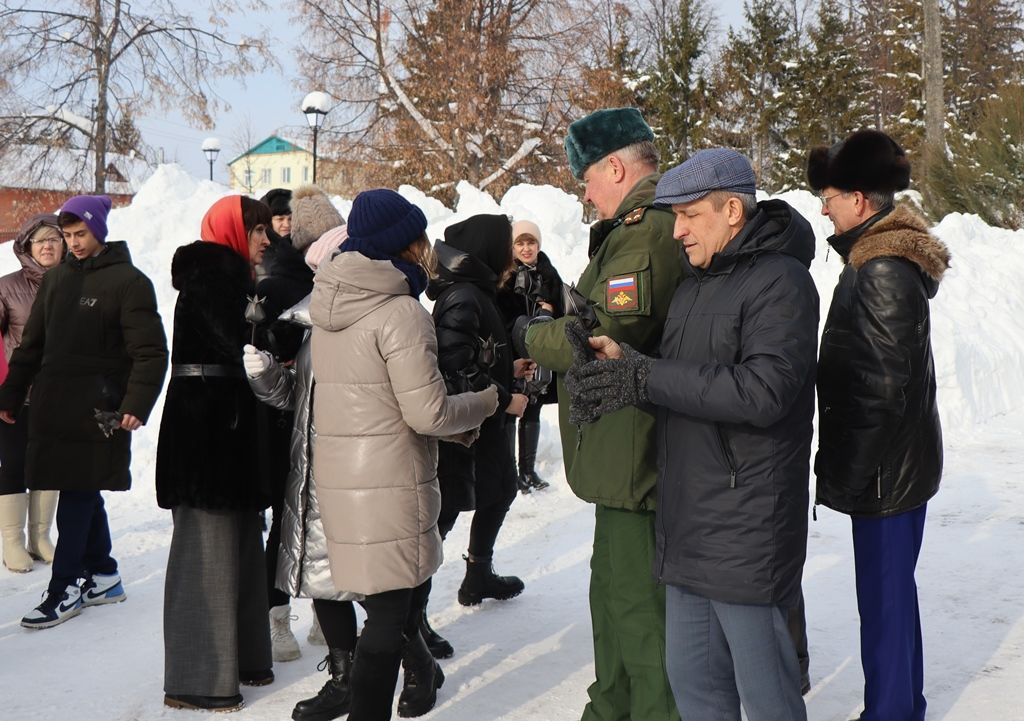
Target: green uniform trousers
{"type": "Point", "coordinates": [627, 609]}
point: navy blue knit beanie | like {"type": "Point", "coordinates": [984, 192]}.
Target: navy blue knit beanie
{"type": "Point", "coordinates": [381, 224]}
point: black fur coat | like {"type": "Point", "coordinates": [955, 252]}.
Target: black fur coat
{"type": "Point", "coordinates": [208, 450]}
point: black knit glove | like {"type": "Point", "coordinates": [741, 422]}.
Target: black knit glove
{"type": "Point", "coordinates": [605, 386]}
{"type": "Point", "coordinates": [582, 354]}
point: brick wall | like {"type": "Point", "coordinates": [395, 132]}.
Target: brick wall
{"type": "Point", "coordinates": [18, 204]}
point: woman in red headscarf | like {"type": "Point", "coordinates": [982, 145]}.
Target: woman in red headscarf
{"type": "Point", "coordinates": [216, 630]}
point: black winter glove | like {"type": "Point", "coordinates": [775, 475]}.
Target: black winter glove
{"type": "Point", "coordinates": [605, 386]}
{"type": "Point", "coordinates": [519, 328]}
{"type": "Point", "coordinates": [582, 354]}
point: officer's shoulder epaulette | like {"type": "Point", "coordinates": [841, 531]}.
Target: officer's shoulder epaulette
{"type": "Point", "coordinates": [634, 216]}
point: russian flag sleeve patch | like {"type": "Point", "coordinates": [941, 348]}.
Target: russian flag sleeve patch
{"type": "Point", "coordinates": [622, 294]}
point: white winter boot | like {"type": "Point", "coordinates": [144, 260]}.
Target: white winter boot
{"type": "Point", "coordinates": [42, 505]}
{"type": "Point", "coordinates": [12, 530]}
{"type": "Point", "coordinates": [286, 647]}
{"type": "Point", "coordinates": [316, 634]}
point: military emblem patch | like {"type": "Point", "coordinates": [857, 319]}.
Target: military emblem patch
{"type": "Point", "coordinates": [622, 294]}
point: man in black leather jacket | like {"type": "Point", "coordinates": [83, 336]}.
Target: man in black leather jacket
{"type": "Point", "coordinates": [879, 454]}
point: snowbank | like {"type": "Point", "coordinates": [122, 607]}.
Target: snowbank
{"type": "Point", "coordinates": [530, 659]}
{"type": "Point", "coordinates": [978, 316]}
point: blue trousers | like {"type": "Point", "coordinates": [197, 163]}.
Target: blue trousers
{"type": "Point", "coordinates": [885, 553]}
{"type": "Point", "coordinates": [721, 655]}
{"type": "Point", "coordinates": [83, 539]}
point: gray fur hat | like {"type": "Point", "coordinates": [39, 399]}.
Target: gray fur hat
{"type": "Point", "coordinates": [313, 214]}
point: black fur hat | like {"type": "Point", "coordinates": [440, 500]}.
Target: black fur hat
{"type": "Point", "coordinates": [278, 200]}
{"type": "Point", "coordinates": [868, 161]}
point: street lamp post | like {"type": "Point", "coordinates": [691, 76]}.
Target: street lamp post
{"type": "Point", "coordinates": [211, 147]}
{"type": "Point", "coordinates": [315, 106]}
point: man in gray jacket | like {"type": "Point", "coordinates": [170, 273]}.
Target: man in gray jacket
{"type": "Point", "coordinates": [734, 388]}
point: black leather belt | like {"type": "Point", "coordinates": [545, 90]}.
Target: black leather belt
{"type": "Point", "coordinates": [205, 370]}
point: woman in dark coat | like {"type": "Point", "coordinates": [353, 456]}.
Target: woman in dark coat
{"type": "Point", "coordinates": [534, 289]}
{"type": "Point", "coordinates": [39, 247]}
{"type": "Point", "coordinates": [208, 474]}
{"type": "Point", "coordinates": [474, 352]}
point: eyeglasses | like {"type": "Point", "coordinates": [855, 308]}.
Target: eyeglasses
{"type": "Point", "coordinates": [826, 198]}
{"type": "Point", "coordinates": [49, 240]}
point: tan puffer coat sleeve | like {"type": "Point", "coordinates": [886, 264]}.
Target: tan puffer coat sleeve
{"type": "Point", "coordinates": [378, 400]}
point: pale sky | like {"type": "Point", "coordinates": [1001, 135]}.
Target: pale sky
{"type": "Point", "coordinates": [270, 100]}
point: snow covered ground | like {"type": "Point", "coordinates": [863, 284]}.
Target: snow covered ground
{"type": "Point", "coordinates": [530, 659]}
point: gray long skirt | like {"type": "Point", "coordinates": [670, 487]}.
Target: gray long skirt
{"type": "Point", "coordinates": [215, 602]}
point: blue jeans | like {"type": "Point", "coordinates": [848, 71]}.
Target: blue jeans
{"type": "Point", "coordinates": [83, 539]}
{"type": "Point", "coordinates": [885, 554]}
{"type": "Point", "coordinates": [721, 655]}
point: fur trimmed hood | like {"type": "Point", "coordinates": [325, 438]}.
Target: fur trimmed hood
{"type": "Point", "coordinates": [902, 234]}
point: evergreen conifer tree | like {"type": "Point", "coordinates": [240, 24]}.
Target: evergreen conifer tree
{"type": "Point", "coordinates": [982, 48]}
{"type": "Point", "coordinates": [890, 41]}
{"type": "Point", "coordinates": [676, 87]}
{"type": "Point", "coordinates": [752, 112]}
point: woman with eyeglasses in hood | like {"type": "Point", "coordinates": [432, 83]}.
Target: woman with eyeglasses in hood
{"type": "Point", "coordinates": [39, 247]}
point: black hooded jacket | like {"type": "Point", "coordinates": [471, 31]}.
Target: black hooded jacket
{"type": "Point", "coordinates": [473, 351]}
{"type": "Point", "coordinates": [879, 438]}
{"type": "Point", "coordinates": [735, 388]}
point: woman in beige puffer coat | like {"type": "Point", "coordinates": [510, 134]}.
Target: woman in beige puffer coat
{"type": "Point", "coordinates": [379, 402]}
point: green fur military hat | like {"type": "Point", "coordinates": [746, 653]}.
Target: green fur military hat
{"type": "Point", "coordinates": [602, 132]}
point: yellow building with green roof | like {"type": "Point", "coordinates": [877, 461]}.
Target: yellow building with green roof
{"type": "Point", "coordinates": [271, 163]}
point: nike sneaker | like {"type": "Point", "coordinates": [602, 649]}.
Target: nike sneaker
{"type": "Point", "coordinates": [102, 588]}
{"type": "Point", "coordinates": [55, 609]}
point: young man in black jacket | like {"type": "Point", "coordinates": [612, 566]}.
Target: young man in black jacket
{"type": "Point", "coordinates": [734, 391]}
{"type": "Point", "coordinates": [879, 443]}
{"type": "Point", "coordinates": [94, 354]}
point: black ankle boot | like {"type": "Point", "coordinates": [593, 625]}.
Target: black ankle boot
{"type": "Point", "coordinates": [334, 698]}
{"type": "Point", "coordinates": [481, 582]}
{"type": "Point", "coordinates": [422, 678]}
{"type": "Point", "coordinates": [529, 438]}
{"type": "Point", "coordinates": [523, 484]}
{"type": "Point", "coordinates": [438, 645]}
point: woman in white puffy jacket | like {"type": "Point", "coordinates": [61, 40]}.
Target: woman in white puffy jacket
{"type": "Point", "coordinates": [380, 405]}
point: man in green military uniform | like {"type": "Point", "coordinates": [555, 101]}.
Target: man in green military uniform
{"type": "Point", "coordinates": [634, 269]}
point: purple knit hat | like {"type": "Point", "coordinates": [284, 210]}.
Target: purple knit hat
{"type": "Point", "coordinates": [93, 210]}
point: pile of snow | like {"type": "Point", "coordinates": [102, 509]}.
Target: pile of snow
{"type": "Point", "coordinates": [976, 317]}
{"type": "Point", "coordinates": [530, 659]}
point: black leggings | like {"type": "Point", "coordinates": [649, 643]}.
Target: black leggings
{"type": "Point", "coordinates": [337, 621]}
{"type": "Point", "coordinates": [392, 616]}
{"type": "Point", "coordinates": [393, 613]}
{"type": "Point", "coordinates": [483, 533]}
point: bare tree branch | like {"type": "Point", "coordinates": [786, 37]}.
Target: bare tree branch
{"type": "Point", "coordinates": [104, 58]}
